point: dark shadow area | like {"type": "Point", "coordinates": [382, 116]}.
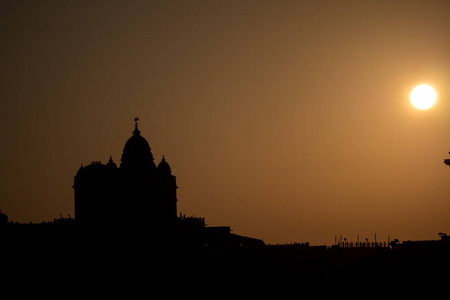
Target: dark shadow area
{"type": "Point", "coordinates": [65, 256]}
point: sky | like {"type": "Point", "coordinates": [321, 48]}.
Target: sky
{"type": "Point", "coordinates": [288, 121]}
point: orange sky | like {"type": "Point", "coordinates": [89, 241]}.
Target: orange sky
{"type": "Point", "coordinates": [286, 120]}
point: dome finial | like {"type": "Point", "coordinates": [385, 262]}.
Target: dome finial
{"type": "Point", "coordinates": [136, 130]}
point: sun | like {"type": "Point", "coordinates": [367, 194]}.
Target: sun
{"type": "Point", "coordinates": [423, 97]}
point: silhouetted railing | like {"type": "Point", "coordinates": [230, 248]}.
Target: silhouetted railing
{"type": "Point", "coordinates": [346, 244]}
{"type": "Point", "coordinates": [305, 244]}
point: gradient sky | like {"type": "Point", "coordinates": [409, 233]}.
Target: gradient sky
{"type": "Point", "coordinates": [286, 120]}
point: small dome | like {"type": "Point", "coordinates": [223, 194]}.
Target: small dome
{"type": "Point", "coordinates": [164, 167]}
{"type": "Point", "coordinates": [95, 170]}
{"type": "Point", "coordinates": [111, 164]}
{"type": "Point", "coordinates": [95, 167]}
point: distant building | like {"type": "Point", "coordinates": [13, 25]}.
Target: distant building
{"type": "Point", "coordinates": [447, 161]}
{"type": "Point", "coordinates": [136, 193]}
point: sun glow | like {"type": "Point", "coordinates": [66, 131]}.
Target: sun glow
{"type": "Point", "coordinates": [423, 97]}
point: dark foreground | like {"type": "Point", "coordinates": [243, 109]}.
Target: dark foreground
{"type": "Point", "coordinates": [126, 266]}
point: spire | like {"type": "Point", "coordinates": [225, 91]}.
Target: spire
{"type": "Point", "coordinates": [110, 158]}
{"type": "Point", "coordinates": [163, 159]}
{"type": "Point", "coordinates": [136, 130]}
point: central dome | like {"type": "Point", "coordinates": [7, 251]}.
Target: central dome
{"type": "Point", "coordinates": [137, 153]}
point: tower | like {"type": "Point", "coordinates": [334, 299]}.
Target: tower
{"type": "Point", "coordinates": [137, 193]}
{"type": "Point", "coordinates": [168, 192]}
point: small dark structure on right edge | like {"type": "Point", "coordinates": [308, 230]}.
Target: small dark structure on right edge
{"type": "Point", "coordinates": [447, 161]}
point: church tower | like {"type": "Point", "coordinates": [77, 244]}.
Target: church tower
{"type": "Point", "coordinates": [168, 192]}
{"type": "Point", "coordinates": [137, 193]}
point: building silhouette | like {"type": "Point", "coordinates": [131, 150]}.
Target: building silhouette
{"type": "Point", "coordinates": [137, 193]}
{"type": "Point", "coordinates": [139, 198]}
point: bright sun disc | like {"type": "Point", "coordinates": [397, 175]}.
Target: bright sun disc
{"type": "Point", "coordinates": [423, 96]}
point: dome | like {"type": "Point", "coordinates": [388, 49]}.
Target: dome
{"type": "Point", "coordinates": [111, 164]}
{"type": "Point", "coordinates": [137, 153]}
{"type": "Point", "coordinates": [164, 167]}
{"type": "Point", "coordinates": [95, 170]}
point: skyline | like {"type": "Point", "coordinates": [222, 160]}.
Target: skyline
{"type": "Point", "coordinates": [289, 122]}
